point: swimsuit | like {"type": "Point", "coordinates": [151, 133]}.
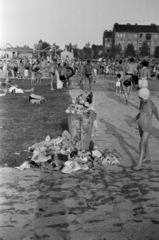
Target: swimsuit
{"type": "Point", "coordinates": [62, 78]}
{"type": "Point", "coordinates": [145, 118]}
{"type": "Point", "coordinates": [143, 83]}
{"type": "Point", "coordinates": [127, 83]}
{"type": "Point", "coordinates": [30, 98]}
{"type": "Point", "coordinates": [88, 75]}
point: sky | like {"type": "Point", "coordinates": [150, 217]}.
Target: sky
{"type": "Point", "coordinates": [25, 22]}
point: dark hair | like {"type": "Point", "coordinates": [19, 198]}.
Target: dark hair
{"type": "Point", "coordinates": [120, 61]}
{"type": "Point", "coordinates": [88, 61]}
{"type": "Point", "coordinates": [118, 75]}
{"type": "Point", "coordinates": [132, 59]}
{"type": "Point", "coordinates": [145, 63]}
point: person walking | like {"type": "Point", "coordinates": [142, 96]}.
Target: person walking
{"type": "Point", "coordinates": [88, 69]}
{"type": "Point", "coordinates": [144, 117]}
{"type": "Point", "coordinates": [127, 81]}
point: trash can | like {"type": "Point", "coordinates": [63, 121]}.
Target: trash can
{"type": "Point", "coordinates": [74, 126]}
{"type": "Point", "coordinates": [81, 128]}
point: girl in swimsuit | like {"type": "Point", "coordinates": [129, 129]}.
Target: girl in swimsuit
{"type": "Point", "coordinates": [127, 82]}
{"type": "Point", "coordinates": [144, 117]}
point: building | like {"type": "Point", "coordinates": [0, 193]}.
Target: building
{"type": "Point", "coordinates": [124, 34]}
{"type": "Point", "coordinates": [23, 52]}
{"type": "Point", "coordinates": [5, 53]}
{"type": "Point", "coordinates": [66, 55]}
{"type": "Point", "coordinates": [107, 41]}
{"type": "Point", "coordinates": [16, 52]}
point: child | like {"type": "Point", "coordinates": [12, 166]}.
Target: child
{"type": "Point", "coordinates": [118, 83]}
{"type": "Point", "coordinates": [144, 117]}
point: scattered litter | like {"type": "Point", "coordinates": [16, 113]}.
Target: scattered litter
{"type": "Point", "coordinates": [62, 154]}
{"type": "Point", "coordinates": [96, 153]}
{"type": "Point", "coordinates": [72, 151]}
{"type": "Point", "coordinates": [25, 165]}
{"type": "Point", "coordinates": [17, 153]}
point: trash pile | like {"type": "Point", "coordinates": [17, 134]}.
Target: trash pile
{"type": "Point", "coordinates": [65, 154]}
{"type": "Point", "coordinates": [72, 151]}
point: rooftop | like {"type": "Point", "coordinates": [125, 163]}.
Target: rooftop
{"type": "Point", "coordinates": [108, 34]}
{"type": "Point", "coordinates": [153, 28]}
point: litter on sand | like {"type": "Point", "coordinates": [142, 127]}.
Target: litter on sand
{"type": "Point", "coordinates": [65, 154]}
{"type": "Point", "coordinates": [73, 150]}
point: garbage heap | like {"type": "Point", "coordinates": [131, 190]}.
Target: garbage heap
{"type": "Point", "coordinates": [74, 150]}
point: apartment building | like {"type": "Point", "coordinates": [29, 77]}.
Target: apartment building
{"type": "Point", "coordinates": [124, 34]}
{"type": "Point", "coordinates": [107, 41]}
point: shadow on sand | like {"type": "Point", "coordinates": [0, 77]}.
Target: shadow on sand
{"type": "Point", "coordinates": [115, 132]}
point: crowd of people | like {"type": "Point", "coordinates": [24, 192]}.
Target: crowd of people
{"type": "Point", "coordinates": [129, 73]}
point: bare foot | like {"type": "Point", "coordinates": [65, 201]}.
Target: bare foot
{"type": "Point", "coordinates": [146, 159]}
{"type": "Point", "coordinates": [137, 168]}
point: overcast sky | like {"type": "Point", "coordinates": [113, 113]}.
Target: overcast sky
{"type": "Point", "coordinates": [25, 22]}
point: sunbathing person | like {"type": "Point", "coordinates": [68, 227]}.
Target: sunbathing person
{"type": "Point", "coordinates": [36, 99]}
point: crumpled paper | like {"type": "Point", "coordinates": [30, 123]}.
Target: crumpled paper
{"type": "Point", "coordinates": [25, 165]}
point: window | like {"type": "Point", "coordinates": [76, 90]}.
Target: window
{"type": "Point", "coordinates": [155, 35]}
{"type": "Point", "coordinates": [148, 37]}
{"type": "Point", "coordinates": [121, 35]}
{"type": "Point", "coordinates": [108, 50]}
{"type": "Point", "coordinates": [108, 40]}
{"type": "Point", "coordinates": [135, 35]}
{"type": "Point", "coordinates": [140, 35]}
{"type": "Point", "coordinates": [129, 35]}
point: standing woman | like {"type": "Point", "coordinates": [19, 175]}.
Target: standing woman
{"type": "Point", "coordinates": [21, 69]}
{"type": "Point", "coordinates": [121, 71]}
{"type": "Point", "coordinates": [52, 75]}
{"type": "Point", "coordinates": [144, 75]}
{"type": "Point", "coordinates": [127, 81]}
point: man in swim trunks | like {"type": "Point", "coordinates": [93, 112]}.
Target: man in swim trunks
{"type": "Point", "coordinates": [127, 82]}
{"type": "Point", "coordinates": [88, 73]}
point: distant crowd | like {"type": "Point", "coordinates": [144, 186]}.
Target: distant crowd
{"type": "Point", "coordinates": [23, 68]}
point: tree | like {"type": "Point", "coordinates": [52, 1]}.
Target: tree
{"type": "Point", "coordinates": [97, 51]}
{"type": "Point", "coordinates": [87, 52]}
{"type": "Point", "coordinates": [75, 51]}
{"type": "Point", "coordinates": [129, 50]}
{"type": "Point", "coordinates": [88, 45]}
{"type": "Point", "coordinates": [72, 47]}
{"type": "Point", "coordinates": [81, 53]}
{"type": "Point", "coordinates": [55, 50]}
{"type": "Point", "coordinates": [26, 46]}
{"type": "Point", "coordinates": [69, 47]}
{"type": "Point", "coordinates": [46, 47]}
{"type": "Point", "coordinates": [144, 50]}
{"type": "Point", "coordinates": [115, 51]}
{"type": "Point", "coordinates": [156, 52]}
